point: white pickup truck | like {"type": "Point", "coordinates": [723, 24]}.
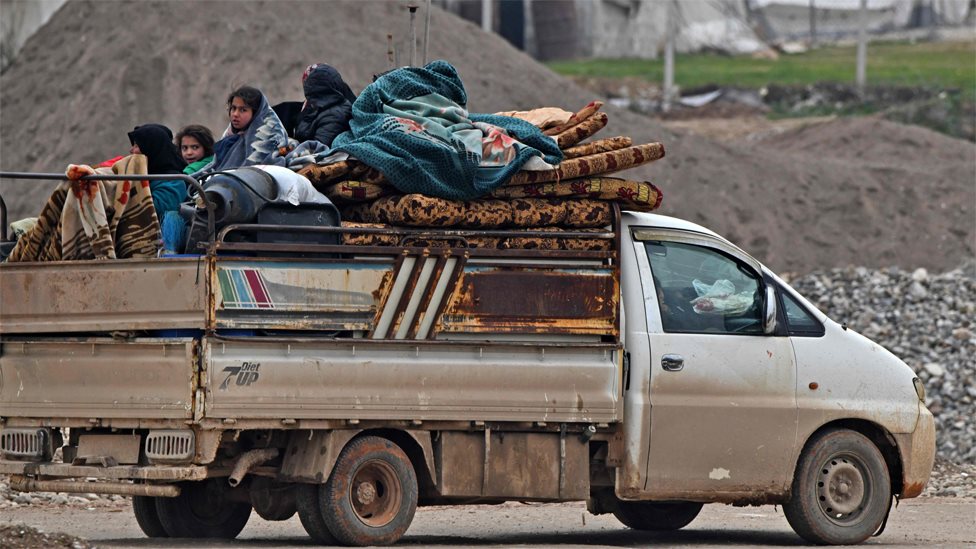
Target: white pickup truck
{"type": "Point", "coordinates": [351, 384]}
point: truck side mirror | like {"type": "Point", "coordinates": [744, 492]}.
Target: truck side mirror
{"type": "Point", "coordinates": [769, 311]}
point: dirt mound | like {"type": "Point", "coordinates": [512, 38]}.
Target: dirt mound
{"type": "Point", "coordinates": [20, 536]}
{"type": "Point", "coordinates": [133, 63]}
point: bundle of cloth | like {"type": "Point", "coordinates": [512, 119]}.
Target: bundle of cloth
{"type": "Point", "coordinates": [94, 219]}
{"type": "Point", "coordinates": [415, 157]}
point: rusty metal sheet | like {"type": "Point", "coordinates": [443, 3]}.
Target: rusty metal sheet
{"type": "Point", "coordinates": [504, 299]}
{"type": "Point", "coordinates": [542, 466]}
{"type": "Point", "coordinates": [89, 296]}
{"type": "Point", "coordinates": [98, 378]}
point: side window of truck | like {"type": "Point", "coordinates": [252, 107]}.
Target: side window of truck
{"type": "Point", "coordinates": [798, 320]}
{"type": "Point", "coordinates": [701, 290]}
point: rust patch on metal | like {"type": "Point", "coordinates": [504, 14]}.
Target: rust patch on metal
{"type": "Point", "coordinates": [913, 490]}
{"type": "Point", "coordinates": [531, 294]}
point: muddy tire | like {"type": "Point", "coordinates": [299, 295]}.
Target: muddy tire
{"type": "Point", "coordinates": [310, 513]}
{"type": "Point", "coordinates": [841, 490]}
{"type": "Point", "coordinates": [371, 495]}
{"type": "Point", "coordinates": [655, 516]}
{"type": "Point", "coordinates": [203, 510]}
{"type": "Point", "coordinates": [144, 507]}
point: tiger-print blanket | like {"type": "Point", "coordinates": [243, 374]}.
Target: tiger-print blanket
{"type": "Point", "coordinates": [79, 221]}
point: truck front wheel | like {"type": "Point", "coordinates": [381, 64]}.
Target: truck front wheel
{"type": "Point", "coordinates": [203, 510]}
{"type": "Point", "coordinates": [371, 495]}
{"type": "Point", "coordinates": [655, 516]}
{"type": "Point", "coordinates": [841, 490]}
{"type": "Point", "coordinates": [144, 507]}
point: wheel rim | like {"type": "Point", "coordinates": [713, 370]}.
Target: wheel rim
{"type": "Point", "coordinates": [842, 489]}
{"type": "Point", "coordinates": [375, 493]}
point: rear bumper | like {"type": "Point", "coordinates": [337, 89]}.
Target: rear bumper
{"type": "Point", "coordinates": [917, 450]}
{"type": "Point", "coordinates": [120, 472]}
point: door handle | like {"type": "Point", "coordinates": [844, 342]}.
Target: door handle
{"type": "Point", "coordinates": [672, 363]}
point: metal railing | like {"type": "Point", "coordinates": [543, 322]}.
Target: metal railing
{"type": "Point", "coordinates": [211, 223]}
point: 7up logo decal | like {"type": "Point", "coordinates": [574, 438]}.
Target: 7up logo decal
{"type": "Point", "coordinates": [243, 375]}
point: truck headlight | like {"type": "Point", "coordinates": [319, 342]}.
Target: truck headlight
{"type": "Point", "coordinates": [919, 388]}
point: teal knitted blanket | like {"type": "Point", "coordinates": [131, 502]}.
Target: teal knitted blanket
{"type": "Point", "coordinates": [412, 124]}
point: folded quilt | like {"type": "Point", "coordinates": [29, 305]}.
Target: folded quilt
{"type": "Point", "coordinates": [596, 164]}
{"type": "Point", "coordinates": [581, 131]}
{"type": "Point", "coordinates": [599, 146]}
{"type": "Point", "coordinates": [416, 210]}
{"type": "Point", "coordinates": [584, 113]}
{"type": "Point", "coordinates": [542, 118]}
{"type": "Point", "coordinates": [640, 196]}
{"type": "Point", "coordinates": [504, 243]}
{"type": "Point", "coordinates": [411, 124]}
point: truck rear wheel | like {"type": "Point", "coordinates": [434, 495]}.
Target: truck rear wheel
{"type": "Point", "coordinates": [310, 513]}
{"type": "Point", "coordinates": [656, 516]}
{"type": "Point", "coordinates": [144, 507]}
{"type": "Point", "coordinates": [841, 490]}
{"type": "Point", "coordinates": [371, 495]}
{"type": "Point", "coordinates": [203, 510]}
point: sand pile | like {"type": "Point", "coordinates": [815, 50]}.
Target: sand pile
{"type": "Point", "coordinates": [799, 202]}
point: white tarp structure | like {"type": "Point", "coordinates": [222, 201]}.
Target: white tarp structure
{"type": "Point", "coordinates": [635, 28]}
{"type": "Point", "coordinates": [18, 21]}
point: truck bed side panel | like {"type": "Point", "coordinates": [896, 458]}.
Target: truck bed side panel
{"type": "Point", "coordinates": [149, 379]}
{"type": "Point", "coordinates": [366, 380]}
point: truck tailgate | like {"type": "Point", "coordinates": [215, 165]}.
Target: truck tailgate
{"type": "Point", "coordinates": [95, 296]}
{"type": "Point", "coordinates": [98, 378]}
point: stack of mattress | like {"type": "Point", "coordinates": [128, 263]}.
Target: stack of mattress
{"type": "Point", "coordinates": [576, 195]}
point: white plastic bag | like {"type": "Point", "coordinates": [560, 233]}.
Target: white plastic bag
{"type": "Point", "coordinates": [719, 298]}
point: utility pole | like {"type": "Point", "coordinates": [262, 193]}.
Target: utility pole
{"type": "Point", "coordinates": [813, 24]}
{"type": "Point", "coordinates": [486, 15]}
{"type": "Point", "coordinates": [862, 48]}
{"type": "Point", "coordinates": [669, 31]}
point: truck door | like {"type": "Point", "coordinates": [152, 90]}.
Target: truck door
{"type": "Point", "coordinates": [722, 392]}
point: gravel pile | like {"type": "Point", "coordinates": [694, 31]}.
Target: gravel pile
{"type": "Point", "coordinates": [928, 321]}
{"type": "Point", "coordinates": [20, 536]}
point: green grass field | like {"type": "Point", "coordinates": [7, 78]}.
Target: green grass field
{"type": "Point", "coordinates": [932, 64]}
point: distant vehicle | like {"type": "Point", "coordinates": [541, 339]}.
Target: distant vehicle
{"type": "Point", "coordinates": [350, 384]}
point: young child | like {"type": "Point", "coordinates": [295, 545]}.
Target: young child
{"type": "Point", "coordinates": [196, 145]}
{"type": "Point", "coordinates": [254, 135]}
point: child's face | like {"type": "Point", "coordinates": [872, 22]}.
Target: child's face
{"type": "Point", "coordinates": [191, 149]}
{"type": "Point", "coordinates": [240, 114]}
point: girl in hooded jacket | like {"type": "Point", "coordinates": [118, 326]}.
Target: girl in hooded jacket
{"type": "Point", "coordinates": [328, 105]}
{"type": "Point", "coordinates": [156, 142]}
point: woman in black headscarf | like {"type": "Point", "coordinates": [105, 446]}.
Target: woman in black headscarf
{"type": "Point", "coordinates": [156, 142]}
{"type": "Point", "coordinates": [328, 105]}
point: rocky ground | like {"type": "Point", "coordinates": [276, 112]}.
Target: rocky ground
{"type": "Point", "coordinates": [20, 536]}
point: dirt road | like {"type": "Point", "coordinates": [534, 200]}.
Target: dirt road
{"type": "Point", "coordinates": [946, 522]}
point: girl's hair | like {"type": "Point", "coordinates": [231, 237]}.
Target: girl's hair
{"type": "Point", "coordinates": [201, 134]}
{"type": "Point", "coordinates": [250, 95]}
